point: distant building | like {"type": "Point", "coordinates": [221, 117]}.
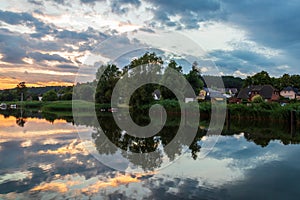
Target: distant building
{"type": "Point", "coordinates": [231, 91]}
{"type": "Point", "coordinates": [189, 99]}
{"type": "Point", "coordinates": [214, 95]}
{"type": "Point", "coordinates": [267, 92]}
{"type": "Point", "coordinates": [290, 93]}
{"type": "Point", "coordinates": [202, 95]}
{"type": "Point", "coordinates": [156, 95]}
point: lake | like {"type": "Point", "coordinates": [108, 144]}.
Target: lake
{"type": "Point", "coordinates": [44, 156]}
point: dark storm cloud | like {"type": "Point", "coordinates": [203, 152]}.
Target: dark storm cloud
{"type": "Point", "coordinates": [15, 46]}
{"type": "Point", "coordinates": [41, 57]}
{"type": "Point", "coordinates": [273, 23]}
{"type": "Point", "coordinates": [39, 3]}
{"type": "Point", "coordinates": [69, 67]}
{"type": "Point", "coordinates": [90, 1]}
{"type": "Point", "coordinates": [26, 19]}
{"type": "Point", "coordinates": [191, 12]}
{"type": "Point", "coordinates": [149, 30]}
{"type": "Point", "coordinates": [244, 60]}
{"type": "Point", "coordinates": [11, 47]}
{"type": "Point", "coordinates": [90, 33]}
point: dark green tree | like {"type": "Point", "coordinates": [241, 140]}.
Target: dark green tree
{"type": "Point", "coordinates": [168, 78]}
{"type": "Point", "coordinates": [141, 69]}
{"type": "Point", "coordinates": [51, 95]}
{"type": "Point", "coordinates": [261, 78]}
{"type": "Point", "coordinates": [194, 78]}
{"type": "Point", "coordinates": [107, 77]}
{"type": "Point", "coordinates": [295, 81]}
{"type": "Point", "coordinates": [21, 90]}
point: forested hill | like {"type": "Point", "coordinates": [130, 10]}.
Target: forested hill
{"type": "Point", "coordinates": [42, 90]}
{"type": "Point", "coordinates": [34, 92]}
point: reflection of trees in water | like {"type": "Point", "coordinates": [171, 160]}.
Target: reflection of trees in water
{"type": "Point", "coordinates": [21, 121]}
{"type": "Point", "coordinates": [144, 152]}
{"type": "Point", "coordinates": [262, 132]}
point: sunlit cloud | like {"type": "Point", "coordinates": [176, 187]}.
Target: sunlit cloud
{"type": "Point", "coordinates": [34, 128]}
{"type": "Point", "coordinates": [79, 185]}
{"type": "Point", "coordinates": [16, 176]}
{"type": "Point", "coordinates": [26, 143]}
{"type": "Point", "coordinates": [75, 147]}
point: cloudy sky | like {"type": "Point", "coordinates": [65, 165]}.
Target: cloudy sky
{"type": "Point", "coordinates": [46, 42]}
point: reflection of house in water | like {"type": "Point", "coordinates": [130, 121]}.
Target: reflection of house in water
{"type": "Point", "coordinates": [3, 106]}
{"type": "Point", "coordinates": [267, 92]}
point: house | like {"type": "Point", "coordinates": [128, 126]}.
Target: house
{"type": "Point", "coordinates": [202, 95]}
{"type": "Point", "coordinates": [3, 106]}
{"type": "Point", "coordinates": [290, 93]}
{"type": "Point", "coordinates": [189, 99]}
{"type": "Point", "coordinates": [267, 92]}
{"type": "Point", "coordinates": [214, 95]}
{"type": "Point", "coordinates": [156, 95]}
{"type": "Point", "coordinates": [231, 91]}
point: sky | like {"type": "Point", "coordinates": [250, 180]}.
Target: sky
{"type": "Point", "coordinates": [48, 42]}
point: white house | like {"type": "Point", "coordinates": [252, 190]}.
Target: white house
{"type": "Point", "coordinates": [289, 92]}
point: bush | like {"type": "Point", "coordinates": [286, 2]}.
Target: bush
{"type": "Point", "coordinates": [257, 99]}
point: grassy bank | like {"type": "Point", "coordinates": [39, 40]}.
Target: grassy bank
{"type": "Point", "coordinates": [258, 111]}
{"type": "Point", "coordinates": [58, 106]}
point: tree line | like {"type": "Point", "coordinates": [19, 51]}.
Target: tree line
{"type": "Point", "coordinates": [102, 87]}
{"type": "Point", "coordinates": [263, 78]}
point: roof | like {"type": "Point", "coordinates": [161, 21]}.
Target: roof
{"type": "Point", "coordinates": [266, 91]}
{"type": "Point", "coordinates": [244, 93]}
{"type": "Point", "coordinates": [290, 88]}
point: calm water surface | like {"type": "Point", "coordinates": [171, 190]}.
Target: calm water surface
{"type": "Point", "coordinates": [42, 157]}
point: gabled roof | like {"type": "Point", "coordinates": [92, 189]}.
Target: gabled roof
{"type": "Point", "coordinates": [266, 91]}
{"type": "Point", "coordinates": [244, 93]}
{"type": "Point", "coordinates": [290, 88]}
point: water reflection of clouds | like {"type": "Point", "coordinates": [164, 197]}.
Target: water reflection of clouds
{"type": "Point", "coordinates": [16, 176]}
{"type": "Point", "coordinates": [56, 165]}
{"type": "Point", "coordinates": [33, 128]}
{"type": "Point", "coordinates": [75, 147]}
{"type": "Point", "coordinates": [245, 154]}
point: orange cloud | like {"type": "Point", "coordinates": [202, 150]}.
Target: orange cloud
{"type": "Point", "coordinates": [9, 83]}
{"type": "Point", "coordinates": [78, 184]}
{"type": "Point", "coordinates": [34, 128]}
{"type": "Point", "coordinates": [53, 186]}
{"type": "Point", "coordinates": [75, 147]}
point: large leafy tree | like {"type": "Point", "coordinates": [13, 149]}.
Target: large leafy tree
{"type": "Point", "coordinates": [107, 77]}
{"type": "Point", "coordinates": [168, 78]}
{"type": "Point", "coordinates": [21, 90]}
{"type": "Point", "coordinates": [141, 69]}
{"type": "Point", "coordinates": [261, 78]}
{"type": "Point", "coordinates": [51, 95]}
{"type": "Point", "coordinates": [194, 78]}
